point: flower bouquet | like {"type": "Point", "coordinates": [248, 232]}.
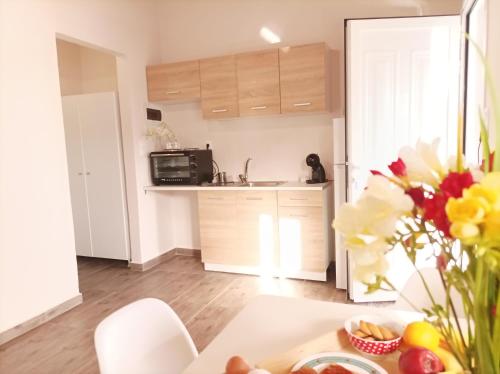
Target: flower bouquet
{"type": "Point", "coordinates": [453, 210]}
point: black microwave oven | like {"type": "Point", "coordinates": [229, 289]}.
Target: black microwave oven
{"type": "Point", "coordinates": [186, 166]}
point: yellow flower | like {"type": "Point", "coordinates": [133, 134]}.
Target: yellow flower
{"type": "Point", "coordinates": [491, 180]}
{"type": "Point", "coordinates": [467, 232]}
{"type": "Point", "coordinates": [491, 232]}
{"type": "Point", "coordinates": [491, 195]}
{"type": "Point", "coordinates": [467, 210]}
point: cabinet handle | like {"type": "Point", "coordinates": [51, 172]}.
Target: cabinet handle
{"type": "Point", "coordinates": [219, 110]}
{"type": "Point", "coordinates": [298, 198]}
{"type": "Point", "coordinates": [80, 173]}
{"type": "Point", "coordinates": [173, 92]}
{"type": "Point", "coordinates": [259, 107]}
{"type": "Point", "coordinates": [87, 173]}
{"type": "Point", "coordinates": [302, 104]}
{"type": "Point", "coordinates": [253, 198]}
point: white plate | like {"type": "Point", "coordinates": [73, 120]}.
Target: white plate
{"type": "Point", "coordinates": [354, 363]}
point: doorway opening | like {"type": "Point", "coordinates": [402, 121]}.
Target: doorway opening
{"type": "Point", "coordinates": [92, 127]}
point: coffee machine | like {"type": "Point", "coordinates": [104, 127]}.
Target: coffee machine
{"type": "Point", "coordinates": [318, 171]}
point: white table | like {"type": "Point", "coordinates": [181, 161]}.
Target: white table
{"type": "Point", "coordinates": [270, 325]}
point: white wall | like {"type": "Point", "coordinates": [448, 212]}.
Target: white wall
{"type": "Point", "coordinates": [37, 256]}
{"type": "Point", "coordinates": [278, 144]}
{"type": "Point", "coordinates": [85, 70]}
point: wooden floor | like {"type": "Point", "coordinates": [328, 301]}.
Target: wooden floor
{"type": "Point", "coordinates": [205, 301]}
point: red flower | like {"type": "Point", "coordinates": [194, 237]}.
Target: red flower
{"type": "Point", "coordinates": [417, 195]}
{"type": "Point", "coordinates": [398, 168]}
{"type": "Point", "coordinates": [455, 183]}
{"type": "Point", "coordinates": [376, 172]}
{"type": "Point", "coordinates": [492, 157]}
{"type": "Point", "coordinates": [441, 262]}
{"type": "Point", "coordinates": [434, 209]}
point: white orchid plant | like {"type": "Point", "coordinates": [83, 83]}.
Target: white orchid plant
{"type": "Point", "coordinates": [162, 134]}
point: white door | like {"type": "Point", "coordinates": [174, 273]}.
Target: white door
{"type": "Point", "coordinates": [402, 85]}
{"type": "Point", "coordinates": [97, 117]}
{"type": "Point", "coordinates": [76, 171]}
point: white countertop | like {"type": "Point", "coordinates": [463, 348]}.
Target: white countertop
{"type": "Point", "coordinates": [287, 186]}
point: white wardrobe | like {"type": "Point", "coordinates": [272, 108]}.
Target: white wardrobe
{"type": "Point", "coordinates": [96, 175]}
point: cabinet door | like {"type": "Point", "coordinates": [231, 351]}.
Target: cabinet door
{"type": "Point", "coordinates": [300, 198]}
{"type": "Point", "coordinates": [256, 213]}
{"type": "Point", "coordinates": [302, 239]}
{"type": "Point", "coordinates": [303, 78]}
{"type": "Point", "coordinates": [217, 216]}
{"type": "Point", "coordinates": [258, 83]}
{"type": "Point", "coordinates": [219, 94]}
{"type": "Point", "coordinates": [76, 174]}
{"type": "Point", "coordinates": [179, 81]}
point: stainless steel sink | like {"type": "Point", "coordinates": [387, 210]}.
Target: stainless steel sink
{"type": "Point", "coordinates": [262, 184]}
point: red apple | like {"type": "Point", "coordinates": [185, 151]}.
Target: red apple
{"type": "Point", "coordinates": [419, 361]}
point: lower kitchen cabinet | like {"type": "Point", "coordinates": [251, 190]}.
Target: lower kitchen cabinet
{"type": "Point", "coordinates": [302, 240]}
{"type": "Point", "coordinates": [217, 215]}
{"type": "Point", "coordinates": [238, 228]}
{"type": "Point", "coordinates": [279, 233]}
{"type": "Point", "coordinates": [257, 230]}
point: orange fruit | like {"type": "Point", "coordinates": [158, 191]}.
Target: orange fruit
{"type": "Point", "coordinates": [422, 334]}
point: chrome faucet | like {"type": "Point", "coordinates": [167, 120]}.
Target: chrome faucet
{"type": "Point", "coordinates": [244, 177]}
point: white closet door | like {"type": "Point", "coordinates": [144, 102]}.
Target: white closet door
{"type": "Point", "coordinates": [402, 84]}
{"type": "Point", "coordinates": [76, 169]}
{"type": "Point", "coordinates": [101, 139]}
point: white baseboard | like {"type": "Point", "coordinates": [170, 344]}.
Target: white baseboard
{"type": "Point", "coordinates": [40, 319]}
{"type": "Point", "coordinates": [250, 270]}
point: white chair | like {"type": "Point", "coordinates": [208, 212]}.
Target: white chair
{"type": "Point", "coordinates": [414, 290]}
{"type": "Point", "coordinates": [144, 337]}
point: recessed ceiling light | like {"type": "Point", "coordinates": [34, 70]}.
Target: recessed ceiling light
{"type": "Point", "coordinates": [269, 36]}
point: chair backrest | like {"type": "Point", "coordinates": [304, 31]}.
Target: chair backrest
{"type": "Point", "coordinates": [144, 337]}
{"type": "Point", "coordinates": [414, 290]}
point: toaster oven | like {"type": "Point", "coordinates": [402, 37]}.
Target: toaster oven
{"type": "Point", "coordinates": [186, 166]}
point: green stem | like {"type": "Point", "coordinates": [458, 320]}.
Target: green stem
{"type": "Point", "coordinates": [482, 338]}
{"type": "Point", "coordinates": [392, 288]}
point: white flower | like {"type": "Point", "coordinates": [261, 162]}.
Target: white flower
{"type": "Point", "coordinates": [367, 273]}
{"type": "Point", "coordinates": [422, 162]}
{"type": "Point", "coordinates": [367, 223]}
{"type": "Point", "coordinates": [429, 153]}
{"type": "Point", "coordinates": [381, 188]}
{"type": "Point", "coordinates": [364, 248]}
{"type": "Point", "coordinates": [377, 211]}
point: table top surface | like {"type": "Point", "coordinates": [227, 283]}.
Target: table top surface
{"type": "Point", "coordinates": [271, 325]}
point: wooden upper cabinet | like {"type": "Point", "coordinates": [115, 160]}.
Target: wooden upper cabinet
{"type": "Point", "coordinates": [304, 78]}
{"type": "Point", "coordinates": [258, 83]}
{"type": "Point", "coordinates": [219, 87]}
{"type": "Point", "coordinates": [178, 81]}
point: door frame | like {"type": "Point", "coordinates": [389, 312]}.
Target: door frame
{"type": "Point", "coordinates": [126, 176]}
{"type": "Point", "coordinates": [465, 14]}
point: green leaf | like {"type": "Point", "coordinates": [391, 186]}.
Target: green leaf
{"type": "Point", "coordinates": [486, 143]}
